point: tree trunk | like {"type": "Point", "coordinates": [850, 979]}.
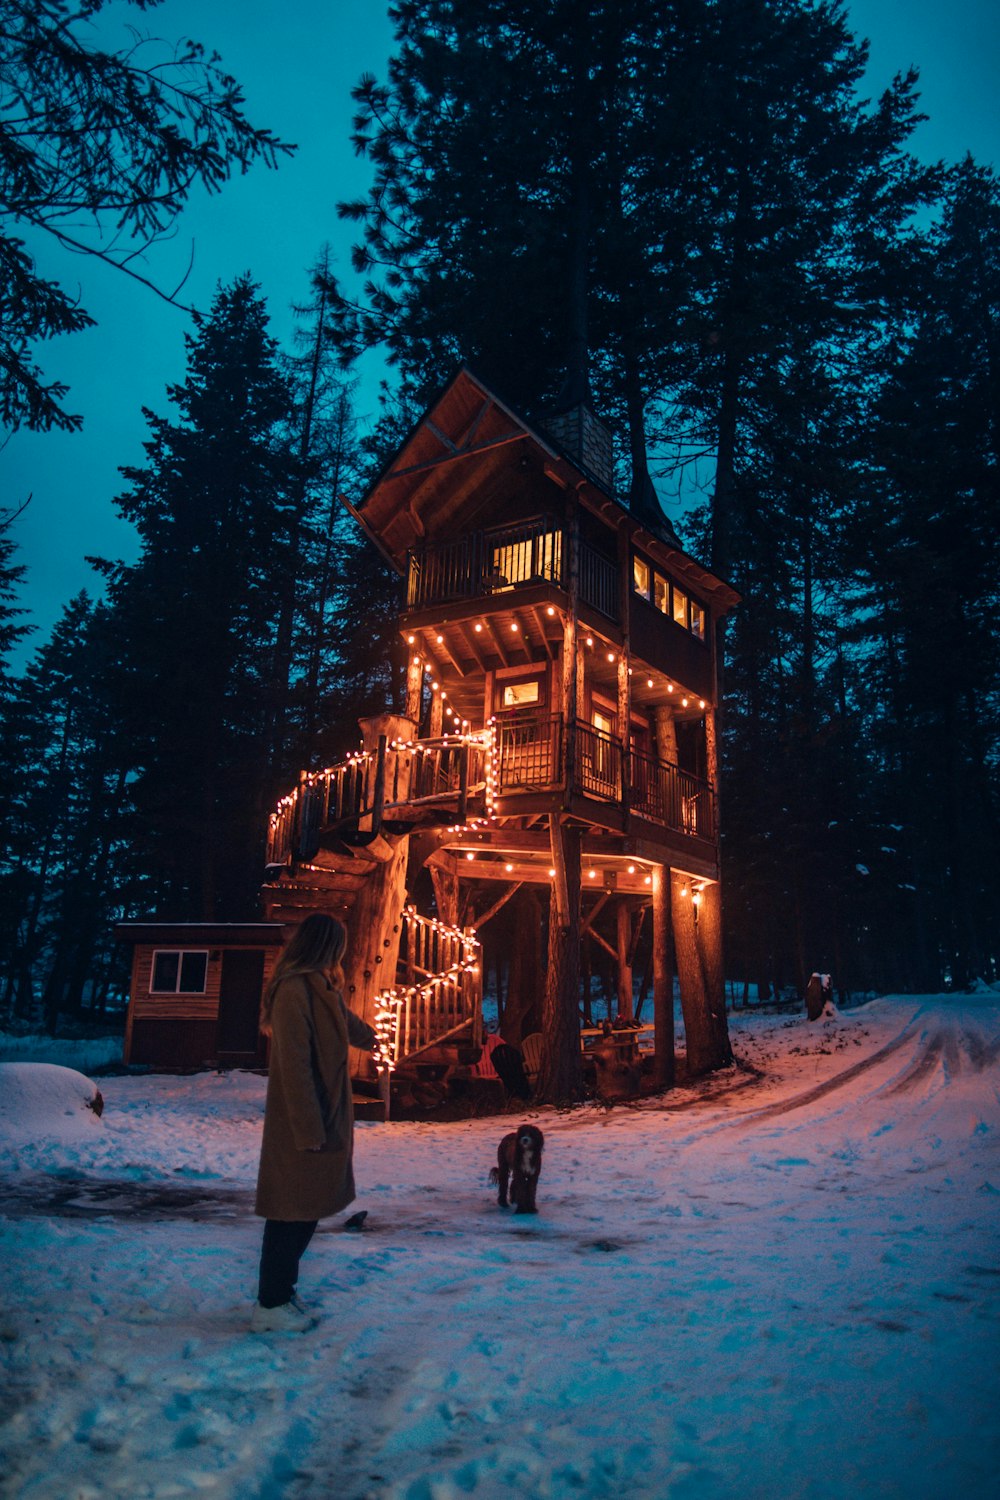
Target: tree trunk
{"type": "Point", "coordinates": [698, 946]}
{"type": "Point", "coordinates": [561, 1078]}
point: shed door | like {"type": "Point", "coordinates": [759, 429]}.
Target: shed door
{"type": "Point", "coordinates": [239, 1000]}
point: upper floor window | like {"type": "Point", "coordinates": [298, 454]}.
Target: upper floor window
{"type": "Point", "coordinates": [668, 598]}
{"type": "Point", "coordinates": [521, 694]}
{"type": "Point", "coordinates": [179, 972]}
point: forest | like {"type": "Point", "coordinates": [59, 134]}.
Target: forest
{"type": "Point", "coordinates": [687, 210]}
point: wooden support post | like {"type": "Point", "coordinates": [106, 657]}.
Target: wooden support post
{"type": "Point", "coordinates": [444, 879]}
{"type": "Point", "coordinates": [625, 731]}
{"type": "Point", "coordinates": [697, 929]}
{"type": "Point", "coordinates": [663, 979]}
{"type": "Point", "coordinates": [378, 794]}
{"type": "Point", "coordinates": [571, 674]}
{"type": "Point", "coordinates": [436, 726]}
{"type": "Point", "coordinates": [414, 689]}
{"type": "Point", "coordinates": [624, 964]}
{"type": "Point", "coordinates": [561, 1077]}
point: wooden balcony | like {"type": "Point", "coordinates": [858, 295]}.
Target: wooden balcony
{"type": "Point", "coordinates": [503, 560]}
{"type": "Point", "coordinates": [526, 763]}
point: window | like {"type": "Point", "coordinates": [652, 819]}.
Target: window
{"type": "Point", "coordinates": [526, 559]}
{"type": "Point", "coordinates": [668, 598]}
{"type": "Point", "coordinates": [519, 694]}
{"type": "Point", "coordinates": [680, 608]}
{"type": "Point", "coordinates": [179, 972]}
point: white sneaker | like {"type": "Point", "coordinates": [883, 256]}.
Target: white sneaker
{"type": "Point", "coordinates": [289, 1317]}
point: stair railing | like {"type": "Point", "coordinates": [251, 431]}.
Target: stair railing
{"type": "Point", "coordinates": [437, 994]}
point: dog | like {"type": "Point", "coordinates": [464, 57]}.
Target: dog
{"type": "Point", "coordinates": [519, 1163]}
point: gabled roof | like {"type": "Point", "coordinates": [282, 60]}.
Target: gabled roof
{"type": "Point", "coordinates": [424, 492]}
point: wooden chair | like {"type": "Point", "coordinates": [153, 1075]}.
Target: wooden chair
{"type": "Point", "coordinates": [531, 1051]}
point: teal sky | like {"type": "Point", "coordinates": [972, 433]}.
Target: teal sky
{"type": "Point", "coordinates": [297, 63]}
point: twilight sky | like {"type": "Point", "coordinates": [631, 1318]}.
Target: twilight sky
{"type": "Point", "coordinates": [297, 63]}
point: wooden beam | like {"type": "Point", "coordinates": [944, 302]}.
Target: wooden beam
{"type": "Point", "coordinates": [488, 623]}
{"type": "Point", "coordinates": [540, 619]}
{"type": "Point", "coordinates": [491, 911]}
{"type": "Point", "coordinates": [469, 640]}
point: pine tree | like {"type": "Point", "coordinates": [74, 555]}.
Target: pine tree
{"type": "Point", "coordinates": [200, 682]}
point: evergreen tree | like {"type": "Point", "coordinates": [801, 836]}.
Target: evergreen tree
{"type": "Point", "coordinates": [200, 682]}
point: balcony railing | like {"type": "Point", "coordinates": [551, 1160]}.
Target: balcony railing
{"type": "Point", "coordinates": [504, 559]}
{"type": "Point", "coordinates": [451, 776]}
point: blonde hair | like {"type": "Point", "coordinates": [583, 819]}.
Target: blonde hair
{"type": "Point", "coordinates": [316, 946]}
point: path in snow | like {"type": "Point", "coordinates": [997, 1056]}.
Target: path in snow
{"type": "Point", "coordinates": [783, 1283]}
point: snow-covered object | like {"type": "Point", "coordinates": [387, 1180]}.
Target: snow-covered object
{"type": "Point", "coordinates": [40, 1100]}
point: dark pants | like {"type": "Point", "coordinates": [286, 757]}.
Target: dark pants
{"type": "Point", "coordinates": [284, 1242]}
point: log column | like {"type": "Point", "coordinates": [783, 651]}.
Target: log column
{"type": "Point", "coordinates": [374, 923]}
{"type": "Point", "coordinates": [561, 1077]}
{"type": "Point", "coordinates": [663, 978]}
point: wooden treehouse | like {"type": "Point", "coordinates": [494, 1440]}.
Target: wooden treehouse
{"type": "Point", "coordinates": [558, 738]}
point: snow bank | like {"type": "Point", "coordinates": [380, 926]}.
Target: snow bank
{"type": "Point", "coordinates": [40, 1100]}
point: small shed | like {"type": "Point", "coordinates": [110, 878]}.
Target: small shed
{"type": "Point", "coordinates": [195, 992]}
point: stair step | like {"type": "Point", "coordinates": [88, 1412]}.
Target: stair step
{"type": "Point", "coordinates": [367, 1108]}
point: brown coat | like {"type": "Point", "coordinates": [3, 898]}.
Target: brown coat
{"type": "Point", "coordinates": [309, 1102]}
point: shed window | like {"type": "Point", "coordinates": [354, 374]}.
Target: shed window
{"type": "Point", "coordinates": [179, 972]}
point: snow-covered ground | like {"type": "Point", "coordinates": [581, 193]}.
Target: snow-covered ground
{"type": "Point", "coordinates": [781, 1284]}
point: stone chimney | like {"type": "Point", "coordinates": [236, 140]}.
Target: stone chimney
{"type": "Point", "coordinates": [583, 437]}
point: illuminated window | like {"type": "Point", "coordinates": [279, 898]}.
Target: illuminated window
{"type": "Point", "coordinates": [180, 972]}
{"type": "Point", "coordinates": [680, 612]}
{"type": "Point", "coordinates": [527, 559]}
{"type": "Point", "coordinates": [668, 598]}
{"type": "Point", "coordinates": [519, 694]}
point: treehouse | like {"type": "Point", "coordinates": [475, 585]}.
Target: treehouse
{"type": "Point", "coordinates": [558, 736]}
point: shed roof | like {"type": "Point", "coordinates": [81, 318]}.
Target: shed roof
{"type": "Point", "coordinates": [218, 934]}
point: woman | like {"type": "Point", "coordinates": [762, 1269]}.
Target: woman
{"type": "Point", "coordinates": [306, 1167]}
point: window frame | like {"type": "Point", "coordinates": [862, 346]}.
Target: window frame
{"type": "Point", "coordinates": [180, 954]}
{"type": "Point", "coordinates": [672, 594]}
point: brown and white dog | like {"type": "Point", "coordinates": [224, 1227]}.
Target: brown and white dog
{"type": "Point", "coordinates": [519, 1163]}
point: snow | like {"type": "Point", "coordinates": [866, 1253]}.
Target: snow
{"type": "Point", "coordinates": [40, 1097]}
{"type": "Point", "coordinates": [780, 1283]}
